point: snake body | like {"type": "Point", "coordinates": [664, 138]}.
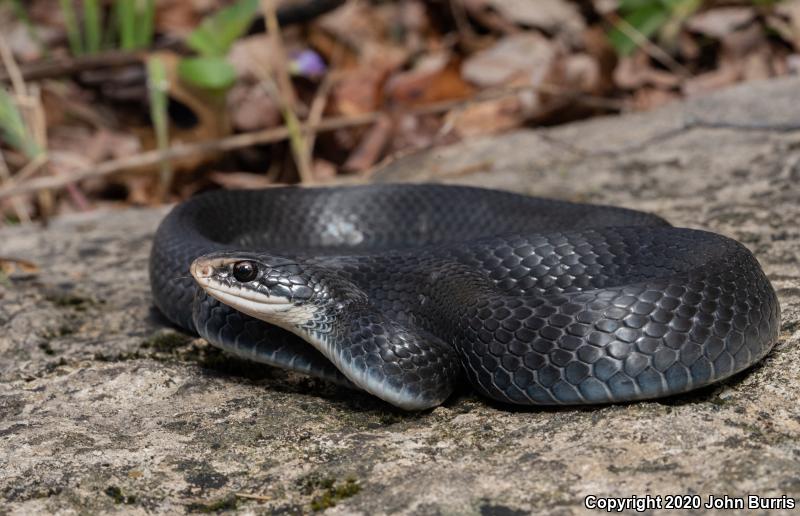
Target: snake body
{"type": "Point", "coordinates": [405, 290]}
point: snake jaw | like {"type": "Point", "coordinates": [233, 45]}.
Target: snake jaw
{"type": "Point", "coordinates": [270, 297]}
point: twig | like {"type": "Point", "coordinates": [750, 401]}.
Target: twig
{"type": "Point", "coordinates": [12, 69]}
{"type": "Point", "coordinates": [71, 65]}
{"type": "Point", "coordinates": [18, 84]}
{"type": "Point", "coordinates": [179, 151]}
{"type": "Point", "coordinates": [466, 34]}
{"type": "Point", "coordinates": [157, 85]}
{"type": "Point", "coordinates": [16, 203]}
{"type": "Point", "coordinates": [286, 97]}
{"type": "Point", "coordinates": [316, 112]}
{"type": "Point", "coordinates": [260, 498]}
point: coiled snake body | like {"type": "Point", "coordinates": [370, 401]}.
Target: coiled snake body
{"type": "Point", "coordinates": [402, 290]}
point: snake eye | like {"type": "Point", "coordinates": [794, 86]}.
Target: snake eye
{"type": "Point", "coordinates": [245, 271]}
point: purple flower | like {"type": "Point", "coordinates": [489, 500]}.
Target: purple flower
{"type": "Point", "coordinates": [307, 63]}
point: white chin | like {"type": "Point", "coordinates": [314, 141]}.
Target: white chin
{"type": "Point", "coordinates": [250, 307]}
{"type": "Point", "coordinates": [278, 311]}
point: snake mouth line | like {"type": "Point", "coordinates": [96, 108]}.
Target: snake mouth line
{"type": "Point", "coordinates": [204, 272]}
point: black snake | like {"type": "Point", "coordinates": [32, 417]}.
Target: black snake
{"type": "Point", "coordinates": [402, 290]}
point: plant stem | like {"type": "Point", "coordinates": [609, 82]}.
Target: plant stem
{"type": "Point", "coordinates": [92, 24]}
{"type": "Point", "coordinates": [71, 23]}
{"type": "Point", "coordinates": [126, 19]}
{"type": "Point", "coordinates": [158, 84]}
{"type": "Point", "coordinates": [144, 26]}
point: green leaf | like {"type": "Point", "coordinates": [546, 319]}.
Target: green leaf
{"type": "Point", "coordinates": [217, 32]}
{"type": "Point", "coordinates": [213, 73]}
{"type": "Point", "coordinates": [645, 20]}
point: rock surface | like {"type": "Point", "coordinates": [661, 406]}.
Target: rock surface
{"type": "Point", "coordinates": [103, 408]}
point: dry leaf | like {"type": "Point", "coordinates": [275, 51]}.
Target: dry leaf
{"type": "Point", "coordinates": [490, 117]}
{"type": "Point", "coordinates": [355, 24]}
{"type": "Point", "coordinates": [252, 108]}
{"type": "Point", "coordinates": [786, 21]}
{"type": "Point", "coordinates": [527, 53]}
{"type": "Point", "coordinates": [581, 72]}
{"type": "Point", "coordinates": [240, 180]}
{"type": "Point", "coordinates": [720, 21]}
{"type": "Point", "coordinates": [552, 16]}
{"type": "Point", "coordinates": [636, 71]}
{"type": "Point", "coordinates": [710, 81]}
{"type": "Point", "coordinates": [371, 146]}
{"type": "Point", "coordinates": [436, 77]}
{"type": "Point", "coordinates": [358, 91]}
{"type": "Point", "coordinates": [419, 132]}
{"type": "Point", "coordinates": [17, 267]}
{"type": "Point", "coordinates": [323, 170]}
{"type": "Point", "coordinates": [180, 17]}
{"type": "Point", "coordinates": [252, 54]}
{"type": "Point", "coordinates": [646, 98]}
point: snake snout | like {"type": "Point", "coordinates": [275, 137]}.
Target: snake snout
{"type": "Point", "coordinates": [201, 269]}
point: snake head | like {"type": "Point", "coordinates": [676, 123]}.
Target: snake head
{"type": "Point", "coordinates": [284, 292]}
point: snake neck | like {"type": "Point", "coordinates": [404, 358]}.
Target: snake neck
{"type": "Point", "coordinates": [376, 350]}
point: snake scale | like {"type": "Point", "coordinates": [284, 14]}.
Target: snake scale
{"type": "Point", "coordinates": [406, 290]}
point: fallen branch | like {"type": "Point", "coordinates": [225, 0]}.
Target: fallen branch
{"type": "Point", "coordinates": [72, 65]}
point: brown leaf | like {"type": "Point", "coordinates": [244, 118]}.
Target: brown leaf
{"type": "Point", "coordinates": [252, 54]}
{"type": "Point", "coordinates": [418, 132]}
{"type": "Point", "coordinates": [243, 180]}
{"type": "Point", "coordinates": [489, 117]}
{"type": "Point", "coordinates": [17, 267]}
{"type": "Point", "coordinates": [646, 98]}
{"type": "Point", "coordinates": [180, 17]}
{"type": "Point", "coordinates": [354, 23]}
{"type": "Point", "coordinates": [252, 108]}
{"type": "Point", "coordinates": [436, 77]}
{"type": "Point", "coordinates": [552, 16]}
{"type": "Point", "coordinates": [525, 54]}
{"type": "Point", "coordinates": [582, 73]}
{"type": "Point", "coordinates": [598, 46]}
{"type": "Point", "coordinates": [371, 146]}
{"type": "Point", "coordinates": [711, 81]}
{"type": "Point", "coordinates": [786, 21]}
{"type": "Point", "coordinates": [636, 70]}
{"type": "Point", "coordinates": [323, 170]}
{"type": "Point", "coordinates": [720, 21]}
{"type": "Point", "coordinates": [358, 91]}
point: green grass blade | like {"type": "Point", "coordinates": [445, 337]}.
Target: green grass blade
{"type": "Point", "coordinates": [93, 25]}
{"type": "Point", "coordinates": [145, 18]}
{"type": "Point", "coordinates": [126, 21]}
{"type": "Point", "coordinates": [645, 20]}
{"type": "Point", "coordinates": [13, 127]}
{"type": "Point", "coordinates": [158, 85]}
{"type": "Point", "coordinates": [71, 24]}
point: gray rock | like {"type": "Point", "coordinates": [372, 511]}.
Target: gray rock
{"type": "Point", "coordinates": [104, 408]}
